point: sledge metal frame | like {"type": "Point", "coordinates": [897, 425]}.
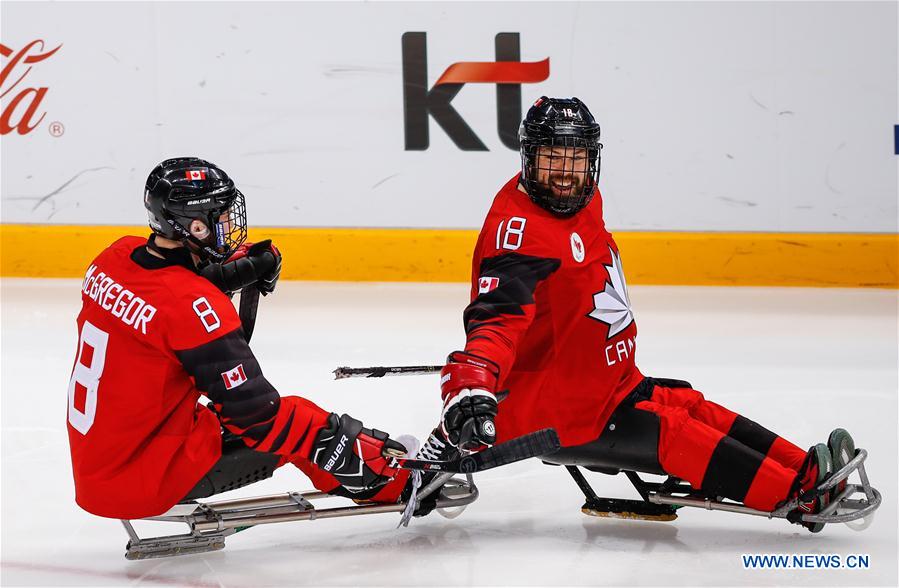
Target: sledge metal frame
{"type": "Point", "coordinates": [663, 499]}
{"type": "Point", "coordinates": [211, 522]}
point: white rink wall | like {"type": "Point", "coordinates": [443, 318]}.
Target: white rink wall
{"type": "Point", "coordinates": [724, 116]}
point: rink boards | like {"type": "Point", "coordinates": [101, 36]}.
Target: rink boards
{"type": "Point", "coordinates": [444, 255]}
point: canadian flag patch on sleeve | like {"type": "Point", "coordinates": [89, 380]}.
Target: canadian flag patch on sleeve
{"type": "Point", "coordinates": [486, 284]}
{"type": "Point", "coordinates": [234, 378]}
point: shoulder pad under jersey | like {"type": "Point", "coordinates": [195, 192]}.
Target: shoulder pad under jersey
{"type": "Point", "coordinates": [199, 313]}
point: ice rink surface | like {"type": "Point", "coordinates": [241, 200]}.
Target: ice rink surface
{"type": "Point", "coordinates": [799, 361]}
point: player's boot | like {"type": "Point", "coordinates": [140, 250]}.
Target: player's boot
{"type": "Point", "coordinates": [816, 468]}
{"type": "Point", "coordinates": [435, 448]}
{"type": "Point", "coordinates": [842, 450]}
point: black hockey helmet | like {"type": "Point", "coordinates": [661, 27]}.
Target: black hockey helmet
{"type": "Point", "coordinates": [185, 189]}
{"type": "Point", "coordinates": [555, 129]}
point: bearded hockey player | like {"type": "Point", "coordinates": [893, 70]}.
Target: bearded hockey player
{"type": "Point", "coordinates": [550, 332]}
{"type": "Point", "coordinates": [157, 331]}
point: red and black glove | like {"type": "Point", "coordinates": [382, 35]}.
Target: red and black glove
{"type": "Point", "coordinates": [256, 264]}
{"type": "Point", "coordinates": [359, 458]}
{"type": "Point", "coordinates": [467, 385]}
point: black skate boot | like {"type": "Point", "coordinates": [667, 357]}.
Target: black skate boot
{"type": "Point", "coordinates": [435, 448]}
{"type": "Point", "coordinates": [842, 450]}
{"type": "Point", "coordinates": [816, 468]}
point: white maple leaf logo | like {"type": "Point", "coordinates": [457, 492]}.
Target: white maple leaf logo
{"type": "Point", "coordinates": [612, 306]}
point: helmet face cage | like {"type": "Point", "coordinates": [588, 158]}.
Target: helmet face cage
{"type": "Point", "coordinates": [230, 228]}
{"type": "Point", "coordinates": [227, 229]}
{"type": "Point", "coordinates": [560, 172]}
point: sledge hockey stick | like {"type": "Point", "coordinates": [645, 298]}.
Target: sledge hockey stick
{"type": "Point", "coordinates": [534, 444]}
{"type": "Point", "coordinates": [249, 304]}
{"type": "Point", "coordinates": [381, 371]}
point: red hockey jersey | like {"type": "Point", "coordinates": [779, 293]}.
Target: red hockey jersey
{"type": "Point", "coordinates": [549, 305]}
{"type": "Point", "coordinates": [152, 336]}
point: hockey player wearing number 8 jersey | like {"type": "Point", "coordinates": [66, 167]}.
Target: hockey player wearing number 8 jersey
{"type": "Point", "coordinates": [551, 332]}
{"type": "Point", "coordinates": [157, 331]}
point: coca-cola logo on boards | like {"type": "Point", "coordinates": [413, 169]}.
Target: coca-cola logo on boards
{"type": "Point", "coordinates": [21, 103]}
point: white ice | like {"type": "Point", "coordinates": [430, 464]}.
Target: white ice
{"type": "Point", "coordinates": [799, 361]}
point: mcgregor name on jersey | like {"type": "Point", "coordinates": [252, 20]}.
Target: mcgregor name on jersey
{"type": "Point", "coordinates": [117, 300]}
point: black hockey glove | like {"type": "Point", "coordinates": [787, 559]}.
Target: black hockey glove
{"type": "Point", "coordinates": [252, 263]}
{"type": "Point", "coordinates": [355, 456]}
{"type": "Point", "coordinates": [467, 385]}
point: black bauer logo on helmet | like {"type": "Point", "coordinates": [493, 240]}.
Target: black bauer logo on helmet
{"type": "Point", "coordinates": [182, 190]}
{"type": "Point", "coordinates": [560, 154]}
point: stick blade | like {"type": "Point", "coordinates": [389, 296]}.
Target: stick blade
{"type": "Point", "coordinates": [534, 444]}
{"type": "Point", "coordinates": [366, 372]}
{"type": "Point", "coordinates": [527, 446]}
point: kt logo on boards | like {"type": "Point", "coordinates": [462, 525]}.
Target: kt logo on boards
{"type": "Point", "coordinates": [508, 72]}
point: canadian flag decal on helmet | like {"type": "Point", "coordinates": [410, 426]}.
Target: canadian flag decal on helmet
{"type": "Point", "coordinates": [195, 174]}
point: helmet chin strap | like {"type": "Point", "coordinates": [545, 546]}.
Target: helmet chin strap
{"type": "Point", "coordinates": [203, 250]}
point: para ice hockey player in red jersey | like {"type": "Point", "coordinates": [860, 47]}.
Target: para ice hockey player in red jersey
{"type": "Point", "coordinates": [157, 330]}
{"type": "Point", "coordinates": [551, 332]}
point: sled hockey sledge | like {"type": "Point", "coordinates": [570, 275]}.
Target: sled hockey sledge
{"type": "Point", "coordinates": [209, 523]}
{"type": "Point", "coordinates": [660, 500]}
{"type": "Point", "coordinates": [630, 446]}
{"type": "Point", "coordinates": [619, 450]}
